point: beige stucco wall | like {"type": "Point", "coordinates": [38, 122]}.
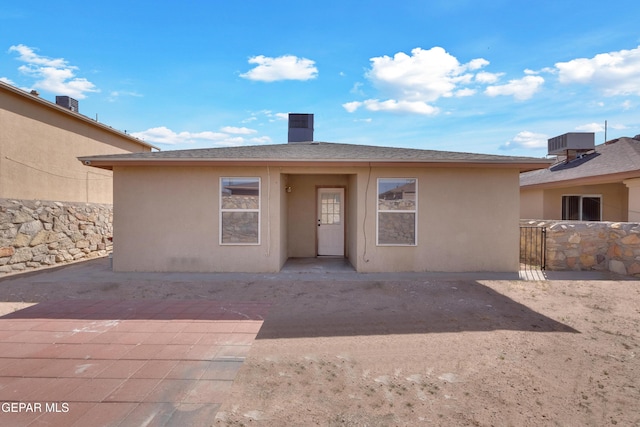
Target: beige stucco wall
{"type": "Point", "coordinates": [167, 219]}
{"type": "Point", "coordinates": [39, 146]}
{"type": "Point", "coordinates": [354, 211]}
{"type": "Point", "coordinates": [614, 200]}
{"type": "Point", "coordinates": [633, 186]}
{"type": "Point", "coordinates": [468, 221]}
{"type": "Point", "coordinates": [532, 204]}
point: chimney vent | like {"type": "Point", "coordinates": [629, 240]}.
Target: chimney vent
{"type": "Point", "coordinates": [300, 128]}
{"type": "Point", "coordinates": [68, 103]}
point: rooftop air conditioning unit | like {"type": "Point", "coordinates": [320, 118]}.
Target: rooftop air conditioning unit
{"type": "Point", "coordinates": [300, 127]}
{"type": "Point", "coordinates": [68, 103]}
{"type": "Point", "coordinates": [573, 141]}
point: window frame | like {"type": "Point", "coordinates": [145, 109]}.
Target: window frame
{"type": "Point", "coordinates": [414, 211]}
{"type": "Point", "coordinates": [223, 210]}
{"type": "Point", "coordinates": [580, 211]}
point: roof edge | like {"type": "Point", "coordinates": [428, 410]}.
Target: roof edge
{"type": "Point", "coordinates": [109, 163]}
{"type": "Point", "coordinates": [591, 180]}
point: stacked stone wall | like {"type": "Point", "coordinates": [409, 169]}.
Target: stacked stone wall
{"type": "Point", "coordinates": [35, 234]}
{"type": "Point", "coordinates": [604, 246]}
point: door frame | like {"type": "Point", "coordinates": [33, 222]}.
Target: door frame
{"type": "Point", "coordinates": [344, 217]}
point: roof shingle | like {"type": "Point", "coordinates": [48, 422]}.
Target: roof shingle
{"type": "Point", "coordinates": [615, 157]}
{"type": "Point", "coordinates": [316, 151]}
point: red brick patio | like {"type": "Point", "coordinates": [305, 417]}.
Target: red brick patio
{"type": "Point", "coordinates": [122, 363]}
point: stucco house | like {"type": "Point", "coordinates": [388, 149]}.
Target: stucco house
{"type": "Point", "coordinates": [586, 182]}
{"type": "Point", "coordinates": [39, 145]}
{"type": "Point", "coordinates": [249, 209]}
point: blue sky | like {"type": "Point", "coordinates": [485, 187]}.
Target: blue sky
{"type": "Point", "coordinates": [458, 75]}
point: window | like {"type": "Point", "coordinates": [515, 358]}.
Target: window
{"type": "Point", "coordinates": [582, 208]}
{"type": "Point", "coordinates": [239, 211]}
{"type": "Point", "coordinates": [397, 211]}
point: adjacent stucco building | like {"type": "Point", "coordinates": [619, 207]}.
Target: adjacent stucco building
{"type": "Point", "coordinates": [39, 145]}
{"type": "Point", "coordinates": [598, 184]}
{"type": "Point", "coordinates": [249, 209]}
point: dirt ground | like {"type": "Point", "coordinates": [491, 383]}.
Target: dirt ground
{"type": "Point", "coordinates": [406, 350]}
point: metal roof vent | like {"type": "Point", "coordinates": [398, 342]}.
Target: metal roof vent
{"type": "Point", "coordinates": [68, 103]}
{"type": "Point", "coordinates": [300, 128]}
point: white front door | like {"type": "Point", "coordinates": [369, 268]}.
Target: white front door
{"type": "Point", "coordinates": [331, 221]}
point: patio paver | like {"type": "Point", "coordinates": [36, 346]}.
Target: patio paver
{"type": "Point", "coordinates": [114, 362]}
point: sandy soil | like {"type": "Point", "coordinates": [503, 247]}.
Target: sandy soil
{"type": "Point", "coordinates": [356, 350]}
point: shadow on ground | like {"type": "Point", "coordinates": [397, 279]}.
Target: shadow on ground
{"type": "Point", "coordinates": [321, 305]}
{"type": "Point", "coordinates": [382, 308]}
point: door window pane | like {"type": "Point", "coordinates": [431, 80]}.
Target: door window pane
{"type": "Point", "coordinates": [330, 208]}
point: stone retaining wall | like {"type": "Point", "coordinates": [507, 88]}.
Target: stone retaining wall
{"type": "Point", "coordinates": [604, 246]}
{"type": "Point", "coordinates": [36, 233]}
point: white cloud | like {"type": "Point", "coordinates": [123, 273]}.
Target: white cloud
{"type": "Point", "coordinates": [425, 75]}
{"type": "Point", "coordinates": [238, 131]}
{"type": "Point", "coordinates": [521, 89]}
{"type": "Point", "coordinates": [261, 140]}
{"type": "Point", "coordinates": [7, 81]}
{"type": "Point", "coordinates": [29, 56]}
{"type": "Point", "coordinates": [526, 140]}
{"type": "Point", "coordinates": [357, 88]}
{"type": "Point", "coordinates": [591, 127]}
{"type": "Point", "coordinates": [412, 83]}
{"type": "Point", "coordinates": [467, 91]}
{"type": "Point", "coordinates": [476, 64]}
{"type": "Point", "coordinates": [614, 73]}
{"type": "Point", "coordinates": [352, 106]}
{"type": "Point", "coordinates": [164, 135]}
{"type": "Point", "coordinates": [117, 94]}
{"type": "Point", "coordinates": [391, 105]}
{"type": "Point", "coordinates": [53, 75]}
{"type": "Point", "coordinates": [488, 78]}
{"type": "Point", "coordinates": [287, 67]}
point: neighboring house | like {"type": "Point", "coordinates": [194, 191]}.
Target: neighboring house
{"type": "Point", "coordinates": [39, 145]}
{"type": "Point", "coordinates": [249, 209]}
{"type": "Point", "coordinates": [596, 183]}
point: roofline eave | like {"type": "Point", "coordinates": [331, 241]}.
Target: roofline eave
{"type": "Point", "coordinates": [106, 163]}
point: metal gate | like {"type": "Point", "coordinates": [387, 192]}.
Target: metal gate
{"type": "Point", "coordinates": [533, 248]}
